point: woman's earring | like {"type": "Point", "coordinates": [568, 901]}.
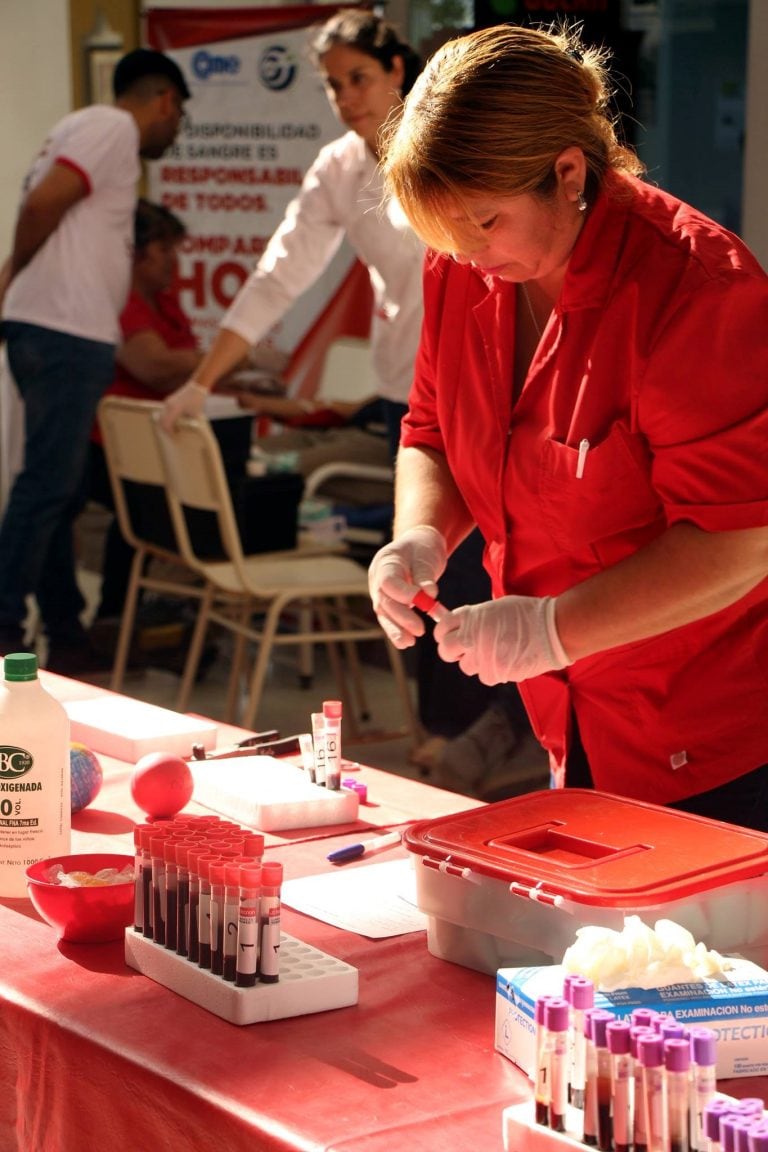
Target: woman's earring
{"type": "Point", "coordinates": [581, 202]}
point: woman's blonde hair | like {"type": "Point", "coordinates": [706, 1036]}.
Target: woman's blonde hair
{"type": "Point", "coordinates": [490, 114]}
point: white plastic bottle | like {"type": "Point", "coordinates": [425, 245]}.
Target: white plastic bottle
{"type": "Point", "coordinates": [35, 796]}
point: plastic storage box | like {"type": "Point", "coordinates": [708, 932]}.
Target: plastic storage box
{"type": "Point", "coordinates": [509, 884]}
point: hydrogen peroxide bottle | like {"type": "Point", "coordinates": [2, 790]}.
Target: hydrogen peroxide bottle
{"type": "Point", "coordinates": [35, 798]}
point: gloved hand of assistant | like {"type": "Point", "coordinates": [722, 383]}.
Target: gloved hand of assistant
{"type": "Point", "coordinates": [513, 638]}
{"type": "Point", "coordinates": [416, 559]}
{"type": "Point", "coordinates": [189, 400]}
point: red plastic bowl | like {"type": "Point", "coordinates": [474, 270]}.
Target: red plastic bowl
{"type": "Point", "coordinates": [88, 915]}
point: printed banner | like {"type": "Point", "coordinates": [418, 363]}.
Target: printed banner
{"type": "Point", "coordinates": [256, 120]}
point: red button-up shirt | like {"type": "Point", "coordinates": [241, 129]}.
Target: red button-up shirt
{"type": "Point", "coordinates": [655, 363]}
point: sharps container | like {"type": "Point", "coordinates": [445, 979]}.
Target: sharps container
{"type": "Point", "coordinates": [509, 884]}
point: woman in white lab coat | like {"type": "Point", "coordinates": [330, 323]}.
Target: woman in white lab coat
{"type": "Point", "coordinates": [367, 70]}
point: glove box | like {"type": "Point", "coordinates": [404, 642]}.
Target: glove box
{"type": "Point", "coordinates": [508, 884]}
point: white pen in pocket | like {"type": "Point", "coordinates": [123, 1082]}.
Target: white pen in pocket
{"type": "Point", "coordinates": [581, 459]}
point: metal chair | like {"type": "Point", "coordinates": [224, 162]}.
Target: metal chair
{"type": "Point", "coordinates": [133, 459]}
{"type": "Point", "coordinates": [249, 595]}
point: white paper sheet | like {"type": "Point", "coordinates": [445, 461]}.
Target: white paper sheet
{"type": "Point", "coordinates": [375, 900]}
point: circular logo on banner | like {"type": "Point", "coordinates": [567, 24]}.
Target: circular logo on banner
{"type": "Point", "coordinates": [277, 68]}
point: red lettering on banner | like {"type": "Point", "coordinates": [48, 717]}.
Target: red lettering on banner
{"type": "Point", "coordinates": [175, 201]}
{"type": "Point", "coordinates": [212, 283]}
{"type": "Point", "coordinates": [194, 282]}
{"type": "Point", "coordinates": [213, 202]}
{"type": "Point", "coordinates": [226, 281]}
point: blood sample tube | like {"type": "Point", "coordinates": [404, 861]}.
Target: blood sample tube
{"type": "Point", "coordinates": [590, 1081]}
{"type": "Point", "coordinates": [703, 1082]}
{"type": "Point", "coordinates": [248, 926]}
{"type": "Point", "coordinates": [757, 1140]}
{"type": "Point", "coordinates": [557, 1016]}
{"type": "Point", "coordinates": [216, 871]}
{"type": "Point", "coordinates": [677, 1063]}
{"type": "Point", "coordinates": [171, 892]}
{"type": "Point", "coordinates": [581, 994]}
{"type": "Point", "coordinates": [204, 863]}
{"type": "Point", "coordinates": [318, 744]}
{"type": "Point", "coordinates": [618, 1035]}
{"type": "Point", "coordinates": [541, 1076]}
{"type": "Point", "coordinates": [231, 917]}
{"type": "Point", "coordinates": [641, 1138]}
{"type": "Point", "coordinates": [650, 1051]}
{"type": "Point", "coordinates": [269, 922]}
{"type": "Point", "coordinates": [713, 1113]}
{"type": "Point", "coordinates": [600, 1021]}
{"type": "Point", "coordinates": [159, 905]}
{"type": "Point", "coordinates": [332, 710]}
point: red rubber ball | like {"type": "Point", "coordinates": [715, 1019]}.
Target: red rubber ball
{"type": "Point", "coordinates": [161, 785]}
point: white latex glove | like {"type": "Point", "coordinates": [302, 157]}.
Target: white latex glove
{"type": "Point", "coordinates": [513, 638]}
{"type": "Point", "coordinates": [189, 400]}
{"type": "Point", "coordinates": [415, 560]}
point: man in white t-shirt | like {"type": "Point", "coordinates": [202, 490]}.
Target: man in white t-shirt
{"type": "Point", "coordinates": [66, 282]}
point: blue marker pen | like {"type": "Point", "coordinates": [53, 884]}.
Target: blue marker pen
{"type": "Point", "coordinates": [355, 851]}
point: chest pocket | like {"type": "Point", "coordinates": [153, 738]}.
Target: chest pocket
{"type": "Point", "coordinates": [612, 496]}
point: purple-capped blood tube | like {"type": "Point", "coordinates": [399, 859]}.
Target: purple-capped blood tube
{"type": "Point", "coordinates": [618, 1035]}
{"type": "Point", "coordinates": [557, 1014]}
{"type": "Point", "coordinates": [677, 1062]}
{"type": "Point", "coordinates": [650, 1051]}
{"type": "Point", "coordinates": [581, 994]}
{"type": "Point", "coordinates": [541, 1071]}
{"type": "Point", "coordinates": [600, 1021]}
{"type": "Point", "coordinates": [703, 1082]}
{"type": "Point", "coordinates": [757, 1141]}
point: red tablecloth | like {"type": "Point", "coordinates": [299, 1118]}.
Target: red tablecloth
{"type": "Point", "coordinates": [95, 1056]}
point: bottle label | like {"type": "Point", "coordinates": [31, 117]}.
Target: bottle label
{"type": "Point", "coordinates": [14, 762]}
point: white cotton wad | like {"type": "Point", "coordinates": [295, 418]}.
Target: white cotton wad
{"type": "Point", "coordinates": [641, 957]}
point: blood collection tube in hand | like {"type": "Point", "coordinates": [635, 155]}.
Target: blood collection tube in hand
{"type": "Point", "coordinates": [428, 605]}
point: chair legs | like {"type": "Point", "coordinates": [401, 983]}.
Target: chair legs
{"type": "Point", "coordinates": [195, 648]}
{"type": "Point", "coordinates": [128, 621]}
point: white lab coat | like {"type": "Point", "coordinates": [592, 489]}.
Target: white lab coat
{"type": "Point", "coordinates": [342, 195]}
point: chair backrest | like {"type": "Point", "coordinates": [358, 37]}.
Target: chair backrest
{"type": "Point", "coordinates": [195, 479]}
{"type": "Point", "coordinates": [133, 458]}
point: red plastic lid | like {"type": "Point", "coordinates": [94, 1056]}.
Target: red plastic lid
{"type": "Point", "coordinates": [271, 874]}
{"type": "Point", "coordinates": [592, 847]}
{"type": "Point", "coordinates": [250, 877]}
{"type": "Point", "coordinates": [332, 709]}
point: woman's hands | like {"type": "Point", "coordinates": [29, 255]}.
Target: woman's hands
{"type": "Point", "coordinates": [513, 638]}
{"type": "Point", "coordinates": [415, 559]}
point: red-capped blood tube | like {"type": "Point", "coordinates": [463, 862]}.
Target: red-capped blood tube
{"type": "Point", "coordinates": [332, 710]}
{"type": "Point", "coordinates": [269, 922]}
{"type": "Point", "coordinates": [248, 926]}
{"type": "Point", "coordinates": [217, 917]}
{"type": "Point", "coordinates": [231, 916]}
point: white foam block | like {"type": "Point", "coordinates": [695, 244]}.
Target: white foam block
{"type": "Point", "coordinates": [128, 729]}
{"type": "Point", "coordinates": [270, 794]}
{"type": "Point", "coordinates": [310, 981]}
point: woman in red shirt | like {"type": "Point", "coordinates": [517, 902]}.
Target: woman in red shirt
{"type": "Point", "coordinates": [591, 391]}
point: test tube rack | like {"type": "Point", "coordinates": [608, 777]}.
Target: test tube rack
{"type": "Point", "coordinates": [268, 794]}
{"type": "Point", "coordinates": [522, 1133]}
{"type": "Point", "coordinates": [310, 981]}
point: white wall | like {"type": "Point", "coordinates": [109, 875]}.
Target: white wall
{"type": "Point", "coordinates": [35, 86]}
{"type": "Point", "coordinates": [754, 222]}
